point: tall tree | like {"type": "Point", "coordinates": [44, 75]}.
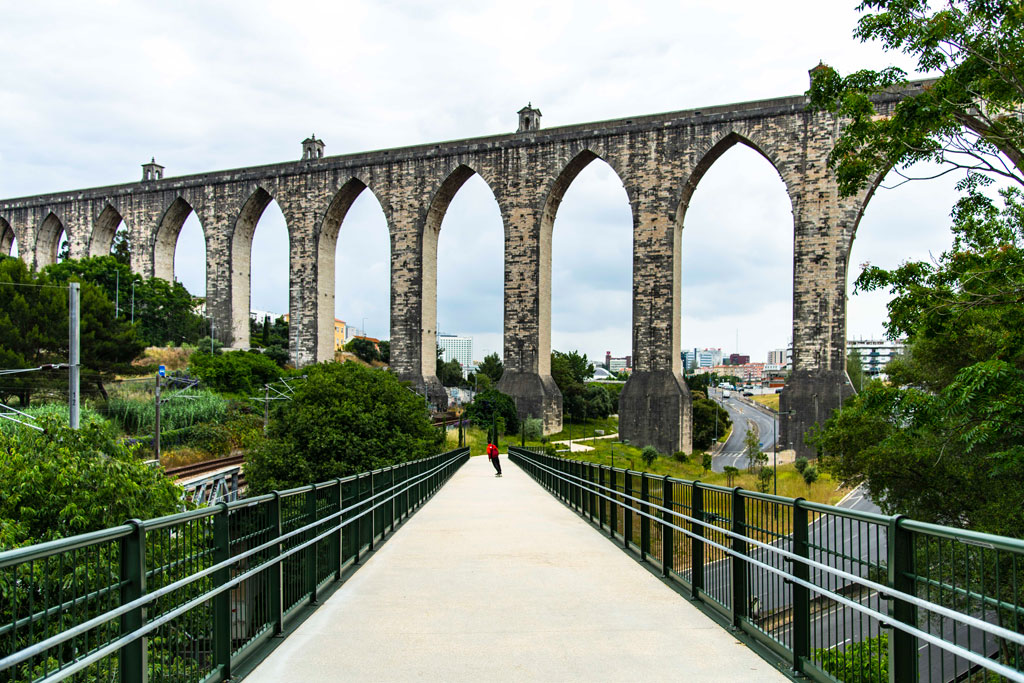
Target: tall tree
{"type": "Point", "coordinates": [969, 119]}
{"type": "Point", "coordinates": [492, 367]}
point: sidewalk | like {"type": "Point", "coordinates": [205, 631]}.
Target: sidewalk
{"type": "Point", "coordinates": [494, 580]}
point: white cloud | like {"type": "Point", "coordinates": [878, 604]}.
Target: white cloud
{"type": "Point", "coordinates": [100, 87]}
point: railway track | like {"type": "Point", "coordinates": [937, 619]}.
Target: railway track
{"type": "Point", "coordinates": [195, 469]}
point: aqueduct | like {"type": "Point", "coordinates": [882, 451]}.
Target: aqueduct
{"type": "Point", "coordinates": [659, 159]}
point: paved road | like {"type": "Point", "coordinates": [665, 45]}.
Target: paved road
{"type": "Point", "coordinates": [742, 415]}
{"type": "Point", "coordinates": [495, 580]}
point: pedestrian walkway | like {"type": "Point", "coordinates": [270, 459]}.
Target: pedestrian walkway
{"type": "Point", "coordinates": [495, 580]}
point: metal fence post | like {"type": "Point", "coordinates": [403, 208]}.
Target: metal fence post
{"type": "Point", "coordinates": [613, 508]}
{"type": "Point", "coordinates": [373, 510]}
{"type": "Point", "coordinates": [600, 497]}
{"type": "Point", "coordinates": [902, 646]}
{"type": "Point", "coordinates": [627, 510]}
{"type": "Point", "coordinates": [222, 601]}
{"type": "Point", "coordinates": [667, 559]}
{"type": "Point", "coordinates": [132, 657]}
{"type": "Point", "coordinates": [697, 542]}
{"type": "Point", "coordinates": [801, 595]}
{"type": "Point", "coordinates": [393, 496]}
{"type": "Point", "coordinates": [276, 571]}
{"type": "Point", "coordinates": [311, 550]}
{"type": "Point", "coordinates": [645, 521]}
{"type": "Point", "coordinates": [338, 506]}
{"type": "Point", "coordinates": [738, 563]}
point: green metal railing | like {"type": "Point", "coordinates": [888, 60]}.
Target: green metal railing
{"type": "Point", "coordinates": [190, 596]}
{"type": "Point", "coordinates": [865, 596]}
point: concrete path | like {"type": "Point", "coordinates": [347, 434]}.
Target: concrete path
{"type": "Point", "coordinates": [494, 580]}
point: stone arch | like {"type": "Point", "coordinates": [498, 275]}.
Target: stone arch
{"type": "Point", "coordinates": [48, 240]}
{"type": "Point", "coordinates": [556, 192]}
{"type": "Point", "coordinates": [166, 239]}
{"type": "Point", "coordinates": [327, 244]}
{"type": "Point", "coordinates": [431, 231]}
{"type": "Point", "coordinates": [103, 230]}
{"type": "Point", "coordinates": [712, 154]}
{"type": "Point", "coordinates": [241, 262]}
{"type": "Point", "coordinates": [7, 237]}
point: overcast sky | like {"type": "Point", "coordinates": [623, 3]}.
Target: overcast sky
{"type": "Point", "coordinates": [90, 90]}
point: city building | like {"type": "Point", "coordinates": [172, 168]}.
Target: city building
{"type": "Point", "coordinates": [738, 359]}
{"type": "Point", "coordinates": [260, 316]}
{"type": "Point", "coordinates": [875, 354]}
{"type": "Point", "coordinates": [701, 358]}
{"type": "Point", "coordinates": [617, 365]}
{"type": "Point", "coordinates": [777, 357]}
{"type": "Point", "coordinates": [339, 333]}
{"type": "Point", "coordinates": [459, 348]}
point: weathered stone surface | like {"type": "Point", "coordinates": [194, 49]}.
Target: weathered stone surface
{"type": "Point", "coordinates": [660, 159]}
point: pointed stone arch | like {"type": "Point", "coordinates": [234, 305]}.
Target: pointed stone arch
{"type": "Point", "coordinates": [165, 241]}
{"type": "Point", "coordinates": [326, 245]}
{"type": "Point", "coordinates": [48, 240]}
{"type": "Point", "coordinates": [7, 237]}
{"type": "Point", "coordinates": [241, 262]}
{"type": "Point", "coordinates": [436, 210]}
{"type": "Point", "coordinates": [103, 230]}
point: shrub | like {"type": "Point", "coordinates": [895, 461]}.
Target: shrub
{"type": "Point", "coordinates": [549, 449]}
{"type": "Point", "coordinates": [800, 464]}
{"type": "Point", "coordinates": [649, 455]}
{"type": "Point", "coordinates": [705, 462]}
{"type": "Point", "coordinates": [680, 456]}
{"type": "Point", "coordinates": [58, 412]}
{"type": "Point", "coordinates": [491, 404]}
{"type": "Point", "coordinates": [236, 372]}
{"type": "Point", "coordinates": [533, 428]}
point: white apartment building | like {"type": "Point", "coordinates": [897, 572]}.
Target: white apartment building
{"type": "Point", "coordinates": [459, 348]}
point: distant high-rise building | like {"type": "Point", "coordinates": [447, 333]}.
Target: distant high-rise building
{"type": "Point", "coordinates": [875, 354]}
{"type": "Point", "coordinates": [614, 365]}
{"type": "Point", "coordinates": [777, 357]}
{"type": "Point", "coordinates": [459, 348]}
{"type": "Point", "coordinates": [701, 358]}
{"type": "Point", "coordinates": [738, 359]}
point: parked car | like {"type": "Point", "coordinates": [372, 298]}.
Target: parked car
{"type": "Point", "coordinates": [748, 393]}
{"type": "Point", "coordinates": [778, 391]}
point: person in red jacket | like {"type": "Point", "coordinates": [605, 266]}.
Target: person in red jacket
{"type": "Point", "coordinates": [492, 455]}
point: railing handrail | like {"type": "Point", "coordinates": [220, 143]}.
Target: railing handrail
{"type": "Point", "coordinates": [42, 551]}
{"type": "Point", "coordinates": [644, 505]}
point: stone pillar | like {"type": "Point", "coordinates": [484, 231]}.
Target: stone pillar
{"type": "Point", "coordinates": [302, 212]}
{"type": "Point", "coordinates": [527, 336]}
{"type": "Point", "coordinates": [217, 211]}
{"type": "Point", "coordinates": [655, 407]}
{"type": "Point", "coordinates": [413, 332]}
{"type": "Point", "coordinates": [818, 383]}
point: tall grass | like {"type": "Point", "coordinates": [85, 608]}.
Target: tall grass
{"type": "Point", "coordinates": [183, 409]}
{"type": "Point", "coordinates": [87, 416]}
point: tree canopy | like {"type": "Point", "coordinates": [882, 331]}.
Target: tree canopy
{"type": "Point", "coordinates": [492, 367]}
{"type": "Point", "coordinates": [969, 119]}
{"type": "Point", "coordinates": [163, 311]}
{"type": "Point", "coordinates": [345, 418]}
{"type": "Point", "coordinates": [489, 406]}
{"type": "Point", "coordinates": [34, 329]}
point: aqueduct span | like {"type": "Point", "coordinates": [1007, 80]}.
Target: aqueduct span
{"type": "Point", "coordinates": [659, 158]}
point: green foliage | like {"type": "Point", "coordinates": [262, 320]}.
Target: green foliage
{"type": "Point", "coordinates": [491, 404]}
{"type": "Point", "coordinates": [450, 373]}
{"type": "Point", "coordinates": [34, 330]}
{"type": "Point", "coordinates": [649, 454]}
{"type": "Point", "coordinates": [865, 661]}
{"type": "Point", "coordinates": [492, 367]}
{"type": "Point", "coordinates": [810, 474]}
{"type": "Point", "coordinates": [680, 456]}
{"type": "Point", "coordinates": [182, 409]}
{"type": "Point", "coordinates": [931, 444]}
{"type": "Point", "coordinates": [237, 372]}
{"type": "Point", "coordinates": [54, 413]}
{"type": "Point", "coordinates": [533, 428]}
{"type": "Point", "coordinates": [705, 431]}
{"type": "Point", "coordinates": [855, 369]}
{"type": "Point", "coordinates": [966, 119]}
{"type": "Point", "coordinates": [385, 351]}
{"type": "Point", "coordinates": [121, 247]}
{"type": "Point", "coordinates": [271, 337]}
{"type": "Point", "coordinates": [764, 479]}
{"type": "Point", "coordinates": [63, 482]}
{"type": "Point", "coordinates": [364, 349]}
{"type": "Point", "coordinates": [705, 462]}
{"type": "Point", "coordinates": [345, 418]}
{"type": "Point", "coordinates": [752, 446]}
{"type": "Point", "coordinates": [800, 464]}
{"type": "Point", "coordinates": [579, 400]}
{"type": "Point", "coordinates": [730, 473]}
{"type": "Point", "coordinates": [163, 311]}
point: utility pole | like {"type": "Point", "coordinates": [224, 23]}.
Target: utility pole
{"type": "Point", "coordinates": [156, 437]}
{"type": "Point", "coordinates": [266, 406]}
{"type": "Point", "coordinates": [74, 335]}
